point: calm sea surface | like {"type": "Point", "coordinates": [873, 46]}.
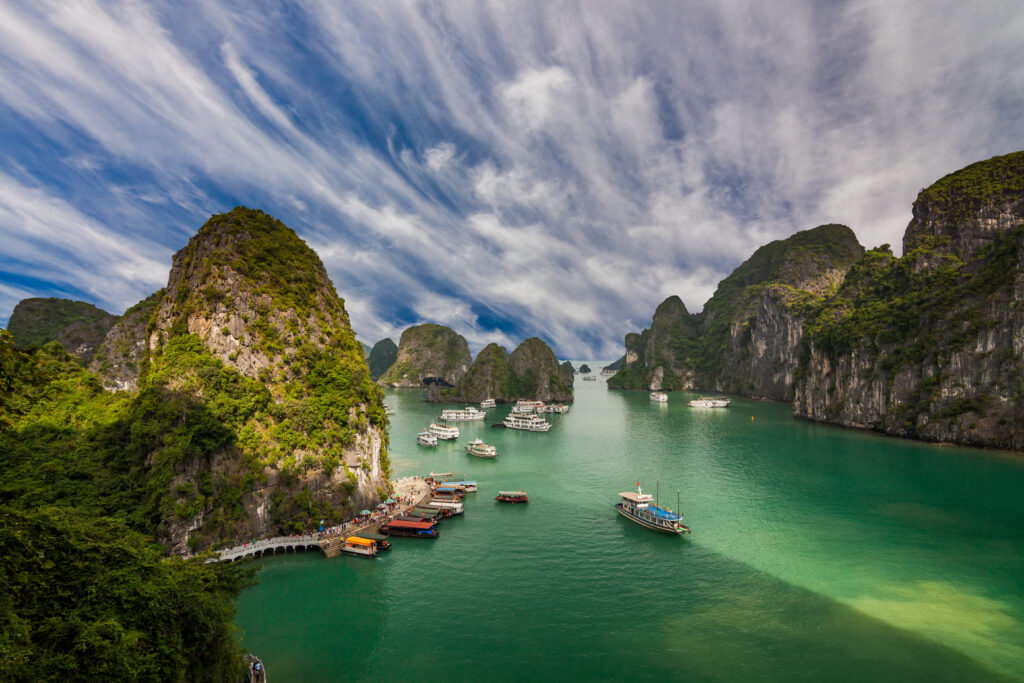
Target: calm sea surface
{"type": "Point", "coordinates": [817, 554]}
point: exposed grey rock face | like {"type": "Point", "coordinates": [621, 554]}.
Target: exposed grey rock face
{"type": "Point", "coordinates": [119, 358]}
{"type": "Point", "coordinates": [747, 339]}
{"type": "Point", "coordinates": [930, 345]}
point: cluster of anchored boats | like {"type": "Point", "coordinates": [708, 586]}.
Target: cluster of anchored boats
{"type": "Point", "coordinates": [523, 416]}
{"type": "Point", "coordinates": [420, 521]}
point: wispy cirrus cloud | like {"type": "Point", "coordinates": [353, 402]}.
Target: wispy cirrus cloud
{"type": "Point", "coordinates": [542, 168]}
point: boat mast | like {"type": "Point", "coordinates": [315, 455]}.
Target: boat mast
{"type": "Point", "coordinates": [657, 487]}
{"type": "Point", "coordinates": [679, 509]}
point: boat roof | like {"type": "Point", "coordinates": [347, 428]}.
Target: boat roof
{"type": "Point", "coordinates": [409, 524]}
{"type": "Point", "coordinates": [636, 497]}
{"type": "Point", "coordinates": [359, 541]}
{"type": "Point", "coordinates": [462, 483]}
{"type": "Point", "coordinates": [371, 536]}
{"type": "Point", "coordinates": [511, 493]}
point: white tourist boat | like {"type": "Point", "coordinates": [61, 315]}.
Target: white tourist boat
{"type": "Point", "coordinates": [480, 449]}
{"type": "Point", "coordinates": [388, 410]}
{"type": "Point", "coordinates": [589, 378]}
{"type": "Point", "coordinates": [659, 397]}
{"type": "Point", "coordinates": [487, 403]}
{"type": "Point", "coordinates": [529, 423]}
{"type": "Point", "coordinates": [709, 402]}
{"type": "Point", "coordinates": [553, 408]}
{"type": "Point", "coordinates": [440, 504]}
{"type": "Point", "coordinates": [525, 407]}
{"type": "Point", "coordinates": [467, 414]}
{"type": "Point", "coordinates": [444, 432]}
{"type": "Point", "coordinates": [425, 438]}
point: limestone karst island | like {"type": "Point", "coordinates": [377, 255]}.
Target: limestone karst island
{"type": "Point", "coordinates": [597, 343]}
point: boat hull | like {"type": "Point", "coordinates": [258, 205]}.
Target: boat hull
{"type": "Point", "coordinates": [650, 525]}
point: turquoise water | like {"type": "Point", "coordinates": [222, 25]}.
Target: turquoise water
{"type": "Point", "coordinates": [817, 554]}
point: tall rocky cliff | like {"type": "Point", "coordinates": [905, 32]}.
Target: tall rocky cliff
{"type": "Point", "coordinates": [747, 338]}
{"type": "Point", "coordinates": [251, 328]}
{"type": "Point", "coordinates": [931, 345]}
{"type": "Point", "coordinates": [76, 325]}
{"type": "Point", "coordinates": [429, 354]}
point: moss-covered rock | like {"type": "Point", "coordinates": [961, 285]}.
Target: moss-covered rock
{"type": "Point", "coordinates": [536, 373]}
{"type": "Point", "coordinates": [78, 326]}
{"type": "Point", "coordinates": [488, 377]}
{"type": "Point", "coordinates": [382, 357]}
{"type": "Point", "coordinates": [429, 354]}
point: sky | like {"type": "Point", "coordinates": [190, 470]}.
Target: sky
{"type": "Point", "coordinates": [509, 169]}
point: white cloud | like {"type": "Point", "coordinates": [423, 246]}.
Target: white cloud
{"type": "Point", "coordinates": [564, 166]}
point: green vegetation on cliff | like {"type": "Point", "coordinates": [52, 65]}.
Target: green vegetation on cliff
{"type": "Point", "coordinates": [961, 194]}
{"type": "Point", "coordinates": [86, 592]}
{"type": "Point", "coordinates": [488, 377]}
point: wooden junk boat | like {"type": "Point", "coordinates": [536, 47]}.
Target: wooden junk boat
{"type": "Point", "coordinates": [511, 497]}
{"type": "Point", "coordinates": [408, 527]}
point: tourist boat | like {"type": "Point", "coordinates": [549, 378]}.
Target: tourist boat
{"type": "Point", "coordinates": [525, 407]}
{"type": "Point", "coordinates": [439, 504]}
{"type": "Point", "coordinates": [709, 402]}
{"type": "Point", "coordinates": [469, 413]}
{"type": "Point", "coordinates": [589, 378]}
{"type": "Point", "coordinates": [529, 423]}
{"type": "Point", "coordinates": [425, 438]}
{"type": "Point", "coordinates": [553, 408]}
{"type": "Point", "coordinates": [466, 485]}
{"type": "Point", "coordinates": [446, 432]}
{"type": "Point", "coordinates": [511, 497]}
{"type": "Point", "coordinates": [402, 527]}
{"type": "Point", "coordinates": [381, 541]}
{"type": "Point", "coordinates": [423, 513]}
{"type": "Point", "coordinates": [659, 397]}
{"type": "Point", "coordinates": [388, 410]}
{"type": "Point", "coordinates": [608, 371]}
{"type": "Point", "coordinates": [479, 449]}
{"type": "Point", "coordinates": [487, 403]}
{"type": "Point", "coordinates": [638, 507]}
{"type": "Point", "coordinates": [354, 545]}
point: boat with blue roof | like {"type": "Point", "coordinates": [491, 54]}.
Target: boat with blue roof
{"type": "Point", "coordinates": [641, 508]}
